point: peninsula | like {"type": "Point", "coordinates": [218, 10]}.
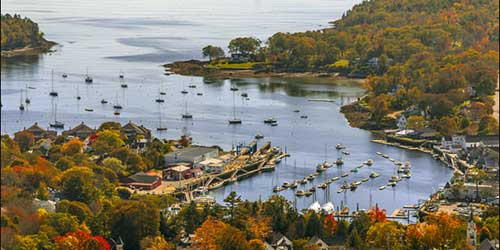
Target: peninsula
{"type": "Point", "coordinates": [21, 37]}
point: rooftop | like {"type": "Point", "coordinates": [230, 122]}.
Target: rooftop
{"type": "Point", "coordinates": [190, 152]}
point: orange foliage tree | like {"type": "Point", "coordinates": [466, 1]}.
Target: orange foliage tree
{"type": "Point", "coordinates": [329, 225]}
{"type": "Point", "coordinates": [258, 227]}
{"type": "Point", "coordinates": [214, 234]}
{"type": "Point", "coordinates": [377, 215]}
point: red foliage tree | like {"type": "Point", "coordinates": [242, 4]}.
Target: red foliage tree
{"type": "Point", "coordinates": [79, 240]}
{"type": "Point", "coordinates": [377, 215]}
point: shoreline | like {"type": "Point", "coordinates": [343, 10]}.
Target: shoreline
{"type": "Point", "coordinates": [198, 68]}
{"type": "Point", "coordinates": [44, 47]}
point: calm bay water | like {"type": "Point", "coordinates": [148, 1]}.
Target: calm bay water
{"type": "Point", "coordinates": [136, 37]}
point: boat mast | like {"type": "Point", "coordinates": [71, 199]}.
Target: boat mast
{"type": "Point", "coordinates": [234, 107]}
{"type": "Point", "coordinates": [52, 80]}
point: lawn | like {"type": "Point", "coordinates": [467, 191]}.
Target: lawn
{"type": "Point", "coordinates": [234, 66]}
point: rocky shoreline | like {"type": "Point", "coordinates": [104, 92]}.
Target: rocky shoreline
{"type": "Point", "coordinates": [44, 47]}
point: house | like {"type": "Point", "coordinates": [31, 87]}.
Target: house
{"type": "Point", "coordinates": [116, 244]}
{"type": "Point", "coordinates": [191, 155]}
{"type": "Point", "coordinates": [40, 133]}
{"type": "Point", "coordinates": [489, 245]}
{"type": "Point", "coordinates": [280, 242]}
{"type": "Point", "coordinates": [453, 143]}
{"type": "Point", "coordinates": [135, 133]}
{"type": "Point", "coordinates": [45, 145]}
{"type": "Point", "coordinates": [180, 171]}
{"type": "Point", "coordinates": [81, 131]}
{"type": "Point", "coordinates": [489, 141]}
{"type": "Point", "coordinates": [401, 122]}
{"type": "Point", "coordinates": [141, 181]}
{"type": "Point", "coordinates": [49, 206]}
{"type": "Point", "coordinates": [426, 133]}
{"type": "Point", "coordinates": [318, 242]}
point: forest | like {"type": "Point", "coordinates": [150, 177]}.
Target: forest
{"type": "Point", "coordinates": [438, 58]}
{"type": "Point", "coordinates": [18, 32]}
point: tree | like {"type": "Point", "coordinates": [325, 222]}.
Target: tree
{"type": "Point", "coordinates": [124, 193]}
{"type": "Point", "coordinates": [246, 46]}
{"type": "Point", "coordinates": [62, 222]}
{"type": "Point", "coordinates": [415, 122]}
{"type": "Point", "coordinates": [79, 240]}
{"type": "Point", "coordinates": [155, 243]}
{"type": "Point", "coordinates": [354, 240]}
{"type": "Point", "coordinates": [380, 107]}
{"type": "Point", "coordinates": [232, 200]}
{"type": "Point", "coordinates": [258, 227]}
{"type": "Point", "coordinates": [385, 234]}
{"type": "Point", "coordinates": [313, 225]}
{"type": "Point", "coordinates": [256, 244]}
{"type": "Point", "coordinates": [488, 125]}
{"type": "Point", "coordinates": [72, 147]}
{"type": "Point", "coordinates": [448, 125]}
{"type": "Point", "coordinates": [377, 215]}
{"type": "Point", "coordinates": [212, 52]}
{"type": "Point", "coordinates": [110, 126]}
{"type": "Point", "coordinates": [24, 139]}
{"type": "Point", "coordinates": [133, 221]}
{"type": "Point", "coordinates": [76, 208]}
{"type": "Point", "coordinates": [116, 165]}
{"type": "Point", "coordinates": [329, 226]}
{"type": "Point", "coordinates": [107, 140]}
{"type": "Point", "coordinates": [77, 184]}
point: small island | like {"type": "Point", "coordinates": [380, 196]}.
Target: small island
{"type": "Point", "coordinates": [21, 37]}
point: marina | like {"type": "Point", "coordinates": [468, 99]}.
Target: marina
{"type": "Point", "coordinates": [305, 139]}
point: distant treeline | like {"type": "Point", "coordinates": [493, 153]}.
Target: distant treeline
{"type": "Point", "coordinates": [18, 32]}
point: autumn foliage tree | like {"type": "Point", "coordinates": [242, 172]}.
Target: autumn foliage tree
{"type": "Point", "coordinates": [377, 215]}
{"type": "Point", "coordinates": [79, 240]}
{"type": "Point", "coordinates": [24, 139]}
{"type": "Point", "coordinates": [72, 147]}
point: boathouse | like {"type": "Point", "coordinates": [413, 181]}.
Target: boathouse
{"type": "Point", "coordinates": [142, 181]}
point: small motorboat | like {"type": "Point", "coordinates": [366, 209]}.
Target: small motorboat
{"type": "Point", "coordinates": [192, 86]}
{"type": "Point", "coordinates": [385, 156]}
{"type": "Point", "coordinates": [89, 109]}
{"type": "Point", "coordinates": [310, 177]}
{"type": "Point", "coordinates": [303, 181]}
{"type": "Point", "coordinates": [300, 193]}
{"type": "Point", "coordinates": [335, 178]}
{"type": "Point", "coordinates": [124, 85]}
{"type": "Point", "coordinates": [78, 97]}
{"type": "Point", "coordinates": [88, 79]}
{"type": "Point", "coordinates": [274, 124]}
{"type": "Point", "coordinates": [369, 162]}
{"type": "Point", "coordinates": [303, 116]}
{"type": "Point", "coordinates": [345, 186]}
{"type": "Point", "coordinates": [259, 136]}
{"type": "Point", "coordinates": [121, 75]}
{"type": "Point", "coordinates": [161, 128]}
{"type": "Point", "coordinates": [361, 165]}
{"type": "Point", "coordinates": [374, 175]}
{"type": "Point", "coordinates": [381, 188]}
{"type": "Point", "coordinates": [159, 100]}
{"type": "Point", "coordinates": [379, 153]}
{"type": "Point", "coordinates": [323, 185]}
{"type": "Point", "coordinates": [320, 168]}
{"type": "Point", "coordinates": [21, 107]}
{"type": "Point", "coordinates": [308, 193]}
{"type": "Point", "coordinates": [344, 175]}
{"type": "Point", "coordinates": [340, 191]}
{"type": "Point", "coordinates": [354, 170]}
{"type": "Point", "coordinates": [103, 101]}
{"type": "Point", "coordinates": [278, 189]}
{"type": "Point", "coordinates": [244, 95]}
{"type": "Point", "coordinates": [395, 178]}
{"type": "Point", "coordinates": [391, 184]}
{"type": "Point", "coordinates": [53, 93]}
{"type": "Point", "coordinates": [346, 152]}
{"type": "Point", "coordinates": [365, 179]}
{"type": "Point", "coordinates": [117, 106]}
{"type": "Point", "coordinates": [56, 124]}
{"type": "Point", "coordinates": [163, 93]}
{"type": "Point", "coordinates": [296, 111]}
{"type": "Point", "coordinates": [27, 100]}
{"type": "Point", "coordinates": [116, 113]}
{"type": "Point", "coordinates": [312, 189]}
{"type": "Point", "coordinates": [295, 184]}
{"type": "Point", "coordinates": [199, 94]}
{"type": "Point", "coordinates": [64, 75]}
{"type": "Point", "coordinates": [184, 92]}
{"type": "Point", "coordinates": [286, 184]}
{"type": "Point", "coordinates": [339, 146]}
{"type": "Point", "coordinates": [234, 89]}
{"type": "Point", "coordinates": [407, 176]}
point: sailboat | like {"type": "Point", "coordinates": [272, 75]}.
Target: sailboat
{"type": "Point", "coordinates": [27, 99]}
{"type": "Point", "coordinates": [21, 105]}
{"type": "Point", "coordinates": [53, 92]}
{"type": "Point", "coordinates": [56, 123]}
{"type": "Point", "coordinates": [88, 79]}
{"type": "Point", "coordinates": [122, 81]}
{"type": "Point", "coordinates": [162, 92]}
{"type": "Point", "coordinates": [121, 75]}
{"type": "Point", "coordinates": [234, 120]}
{"type": "Point", "coordinates": [160, 126]}
{"type": "Point", "coordinates": [117, 105]}
{"type": "Point", "coordinates": [159, 99]}
{"type": "Point", "coordinates": [78, 97]}
{"type": "Point", "coordinates": [186, 115]}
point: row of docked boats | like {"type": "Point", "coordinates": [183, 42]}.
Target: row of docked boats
{"type": "Point", "coordinates": [402, 168]}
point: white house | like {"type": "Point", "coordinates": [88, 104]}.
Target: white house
{"type": "Point", "coordinates": [453, 143]}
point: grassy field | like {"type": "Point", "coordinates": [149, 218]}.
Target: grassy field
{"type": "Point", "coordinates": [233, 66]}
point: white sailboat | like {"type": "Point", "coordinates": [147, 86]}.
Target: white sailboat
{"type": "Point", "coordinates": [160, 125]}
{"type": "Point", "coordinates": [234, 120]}
{"type": "Point", "coordinates": [56, 123]}
{"type": "Point", "coordinates": [53, 92]}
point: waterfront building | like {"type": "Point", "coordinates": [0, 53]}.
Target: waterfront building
{"type": "Point", "coordinates": [452, 143]}
{"type": "Point", "coordinates": [39, 133]}
{"type": "Point", "coordinates": [489, 141]}
{"type": "Point", "coordinates": [212, 165]}
{"type": "Point", "coordinates": [401, 122]}
{"type": "Point", "coordinates": [81, 131]}
{"type": "Point", "coordinates": [489, 245]}
{"type": "Point", "coordinates": [191, 155]}
{"type": "Point", "coordinates": [142, 180]}
{"type": "Point", "coordinates": [177, 172]}
{"type": "Point", "coordinates": [136, 135]}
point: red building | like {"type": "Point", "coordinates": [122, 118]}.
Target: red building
{"type": "Point", "coordinates": [142, 181]}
